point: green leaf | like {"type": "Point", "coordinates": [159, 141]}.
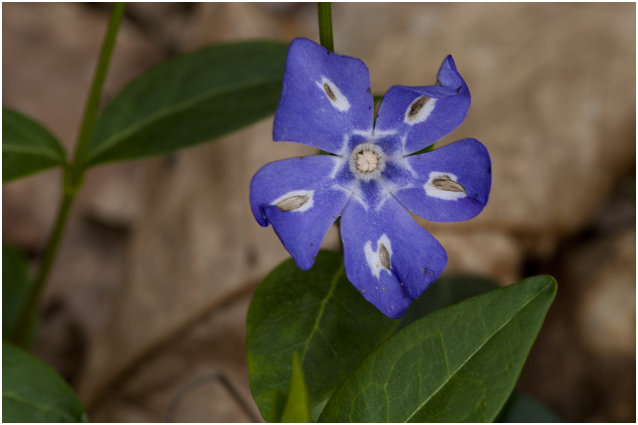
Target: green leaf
{"type": "Point", "coordinates": [15, 287]}
{"type": "Point", "coordinates": [458, 364]}
{"type": "Point", "coordinates": [296, 409]}
{"type": "Point", "coordinates": [191, 99]}
{"type": "Point", "coordinates": [317, 313]}
{"type": "Point", "coordinates": [521, 408]}
{"type": "Point", "coordinates": [445, 292]}
{"type": "Point", "coordinates": [34, 392]}
{"type": "Point", "coordinates": [442, 293]}
{"type": "Point", "coordinates": [315, 412]}
{"type": "Point", "coordinates": [27, 147]}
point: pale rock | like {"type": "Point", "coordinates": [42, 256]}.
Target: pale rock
{"type": "Point", "coordinates": [177, 383]}
{"type": "Point", "coordinates": [482, 253]}
{"type": "Point", "coordinates": [606, 272]}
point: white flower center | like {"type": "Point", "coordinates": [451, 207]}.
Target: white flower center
{"type": "Point", "coordinates": [367, 161]}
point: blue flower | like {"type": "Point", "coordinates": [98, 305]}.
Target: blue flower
{"type": "Point", "coordinates": [371, 179]}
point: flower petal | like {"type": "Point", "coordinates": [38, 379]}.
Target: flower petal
{"type": "Point", "coordinates": [389, 258]}
{"type": "Point", "coordinates": [325, 96]}
{"type": "Point", "coordinates": [452, 183]}
{"type": "Point", "coordinates": [298, 196]}
{"type": "Point", "coordinates": [423, 115]}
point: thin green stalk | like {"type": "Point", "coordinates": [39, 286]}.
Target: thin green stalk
{"type": "Point", "coordinates": [325, 25]}
{"type": "Point", "coordinates": [73, 177]}
{"type": "Point", "coordinates": [26, 315]}
{"type": "Point", "coordinates": [75, 174]}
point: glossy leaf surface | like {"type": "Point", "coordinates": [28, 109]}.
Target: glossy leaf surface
{"type": "Point", "coordinates": [317, 313]}
{"type": "Point", "coordinates": [458, 364]}
{"type": "Point", "coordinates": [27, 147]}
{"type": "Point", "coordinates": [191, 99]}
{"type": "Point", "coordinates": [296, 409]}
{"type": "Point", "coordinates": [34, 392]}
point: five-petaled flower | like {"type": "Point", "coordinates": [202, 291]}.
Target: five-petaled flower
{"type": "Point", "coordinates": [371, 178]}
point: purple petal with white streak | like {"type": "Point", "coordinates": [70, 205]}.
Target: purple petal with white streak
{"type": "Point", "coordinates": [416, 259]}
{"type": "Point", "coordinates": [301, 230]}
{"type": "Point", "coordinates": [445, 110]}
{"type": "Point", "coordinates": [467, 162]}
{"type": "Point", "coordinates": [311, 115]}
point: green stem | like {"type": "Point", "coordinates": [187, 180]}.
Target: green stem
{"type": "Point", "coordinates": [28, 309]}
{"type": "Point", "coordinates": [73, 178]}
{"type": "Point", "coordinates": [325, 25]}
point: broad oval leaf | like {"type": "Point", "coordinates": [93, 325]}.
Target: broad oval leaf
{"type": "Point", "coordinates": [458, 364]}
{"type": "Point", "coordinates": [27, 147]}
{"type": "Point", "coordinates": [191, 99]}
{"type": "Point", "coordinates": [317, 313]}
{"type": "Point", "coordinates": [296, 409]}
{"type": "Point", "coordinates": [34, 392]}
{"type": "Point", "coordinates": [15, 287]}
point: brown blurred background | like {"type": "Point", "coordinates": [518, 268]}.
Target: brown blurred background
{"type": "Point", "coordinates": [161, 256]}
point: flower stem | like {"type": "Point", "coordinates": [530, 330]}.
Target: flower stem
{"type": "Point", "coordinates": [23, 327]}
{"type": "Point", "coordinates": [73, 178]}
{"type": "Point", "coordinates": [325, 25]}
{"type": "Point", "coordinates": [75, 173]}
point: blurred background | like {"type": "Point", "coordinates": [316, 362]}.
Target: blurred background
{"type": "Point", "coordinates": [149, 293]}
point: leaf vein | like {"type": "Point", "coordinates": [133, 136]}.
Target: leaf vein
{"type": "Point", "coordinates": [15, 397]}
{"type": "Point", "coordinates": [322, 308]}
{"type": "Point", "coordinates": [471, 356]}
{"type": "Point", "coordinates": [116, 138]}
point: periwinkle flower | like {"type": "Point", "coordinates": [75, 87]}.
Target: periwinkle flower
{"type": "Point", "coordinates": [371, 179]}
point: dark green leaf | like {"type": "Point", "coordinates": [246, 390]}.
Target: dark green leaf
{"type": "Point", "coordinates": [445, 292]}
{"type": "Point", "coordinates": [15, 286]}
{"type": "Point", "coordinates": [317, 313]}
{"type": "Point", "coordinates": [27, 147]}
{"type": "Point", "coordinates": [34, 392]}
{"type": "Point", "coordinates": [524, 409]}
{"type": "Point", "coordinates": [458, 364]}
{"type": "Point", "coordinates": [191, 99]}
{"type": "Point", "coordinates": [296, 409]}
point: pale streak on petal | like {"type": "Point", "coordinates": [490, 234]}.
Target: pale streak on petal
{"type": "Point", "coordinates": [339, 162]}
{"type": "Point", "coordinates": [354, 192]}
{"type": "Point", "coordinates": [421, 113]}
{"type": "Point", "coordinates": [437, 192]}
{"type": "Point", "coordinates": [288, 202]}
{"type": "Point", "coordinates": [386, 193]}
{"type": "Point", "coordinates": [332, 92]}
{"type": "Point", "coordinates": [373, 134]}
{"type": "Point", "coordinates": [381, 259]}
